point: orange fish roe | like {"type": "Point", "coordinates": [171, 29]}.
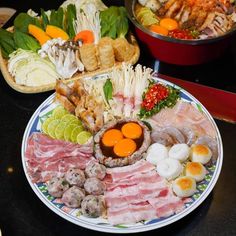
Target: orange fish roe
{"type": "Point", "coordinates": [125, 147]}
{"type": "Point", "coordinates": [131, 130]}
{"type": "Point", "coordinates": [112, 137]}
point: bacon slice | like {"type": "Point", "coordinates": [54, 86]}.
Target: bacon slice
{"type": "Point", "coordinates": [131, 213]}
{"type": "Point", "coordinates": [149, 177]}
{"type": "Point", "coordinates": [48, 157]}
{"type": "Point", "coordinates": [136, 193]}
{"type": "Point", "coordinates": [119, 173]}
{"type": "Point", "coordinates": [167, 205]}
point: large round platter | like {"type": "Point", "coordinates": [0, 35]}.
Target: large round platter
{"type": "Point", "coordinates": [99, 224]}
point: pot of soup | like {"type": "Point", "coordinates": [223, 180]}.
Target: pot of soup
{"type": "Point", "coordinates": [183, 32]}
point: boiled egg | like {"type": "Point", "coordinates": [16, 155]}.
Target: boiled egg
{"type": "Point", "coordinates": [169, 24]}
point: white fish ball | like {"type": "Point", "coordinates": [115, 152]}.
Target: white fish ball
{"type": "Point", "coordinates": [169, 168]}
{"type": "Point", "coordinates": [156, 152]}
{"type": "Point", "coordinates": [180, 151]}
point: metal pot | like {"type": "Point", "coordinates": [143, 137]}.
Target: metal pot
{"type": "Point", "coordinates": [177, 51]}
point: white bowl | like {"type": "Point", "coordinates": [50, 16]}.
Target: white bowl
{"type": "Point", "coordinates": [5, 14]}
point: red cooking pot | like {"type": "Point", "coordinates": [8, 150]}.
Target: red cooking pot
{"type": "Point", "coordinates": [177, 51]}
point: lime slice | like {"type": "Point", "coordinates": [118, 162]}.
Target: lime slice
{"type": "Point", "coordinates": [83, 137]}
{"type": "Point", "coordinates": [59, 112]}
{"type": "Point", "coordinates": [45, 124]}
{"type": "Point", "coordinates": [51, 127]}
{"type": "Point", "coordinates": [76, 122]}
{"type": "Point", "coordinates": [75, 133]}
{"type": "Point", "coordinates": [68, 117]}
{"type": "Point", "coordinates": [68, 131]}
{"type": "Point", "coordinates": [59, 131]}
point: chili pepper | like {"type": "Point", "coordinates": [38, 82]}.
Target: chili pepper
{"type": "Point", "coordinates": [180, 34]}
{"type": "Point", "coordinates": [154, 95]}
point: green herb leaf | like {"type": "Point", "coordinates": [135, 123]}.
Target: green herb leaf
{"type": "Point", "coordinates": [56, 18]}
{"type": "Point", "coordinates": [108, 89]}
{"type": "Point", "coordinates": [45, 20]}
{"type": "Point", "coordinates": [71, 16]}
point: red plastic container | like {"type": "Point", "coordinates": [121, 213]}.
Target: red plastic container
{"type": "Point", "coordinates": [177, 51]}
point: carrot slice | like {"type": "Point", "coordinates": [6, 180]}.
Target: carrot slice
{"type": "Point", "coordinates": [159, 30]}
{"type": "Point", "coordinates": [86, 36]}
{"type": "Point", "coordinates": [125, 147]}
{"type": "Point", "coordinates": [111, 137]}
{"type": "Point", "coordinates": [131, 130]}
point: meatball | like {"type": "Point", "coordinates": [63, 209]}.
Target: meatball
{"type": "Point", "coordinates": [93, 206]}
{"type": "Point", "coordinates": [73, 197]}
{"type": "Point", "coordinates": [75, 177]}
{"type": "Point", "coordinates": [94, 186]}
{"type": "Point", "coordinates": [57, 186]}
{"type": "Point", "coordinates": [94, 169]}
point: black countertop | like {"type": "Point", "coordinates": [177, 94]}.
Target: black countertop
{"type": "Point", "coordinates": [22, 212]}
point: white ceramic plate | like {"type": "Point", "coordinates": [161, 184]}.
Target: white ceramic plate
{"type": "Point", "coordinates": [203, 188]}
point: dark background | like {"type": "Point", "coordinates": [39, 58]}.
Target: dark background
{"type": "Point", "coordinates": [22, 212]}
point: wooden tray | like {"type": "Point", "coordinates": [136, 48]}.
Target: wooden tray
{"type": "Point", "coordinates": [39, 89]}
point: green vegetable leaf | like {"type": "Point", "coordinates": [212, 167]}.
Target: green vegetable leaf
{"type": "Point", "coordinates": [45, 20]}
{"type": "Point", "coordinates": [7, 43]}
{"type": "Point", "coordinates": [122, 23]}
{"type": "Point", "coordinates": [108, 89]}
{"type": "Point", "coordinates": [56, 18]}
{"type": "Point", "coordinates": [22, 21]}
{"type": "Point", "coordinates": [25, 41]}
{"type": "Point", "coordinates": [71, 16]}
{"type": "Point", "coordinates": [114, 22]}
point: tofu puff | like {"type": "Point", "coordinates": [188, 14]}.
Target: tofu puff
{"type": "Point", "coordinates": [123, 49]}
{"type": "Point", "coordinates": [106, 52]}
{"type": "Point", "coordinates": [89, 58]}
